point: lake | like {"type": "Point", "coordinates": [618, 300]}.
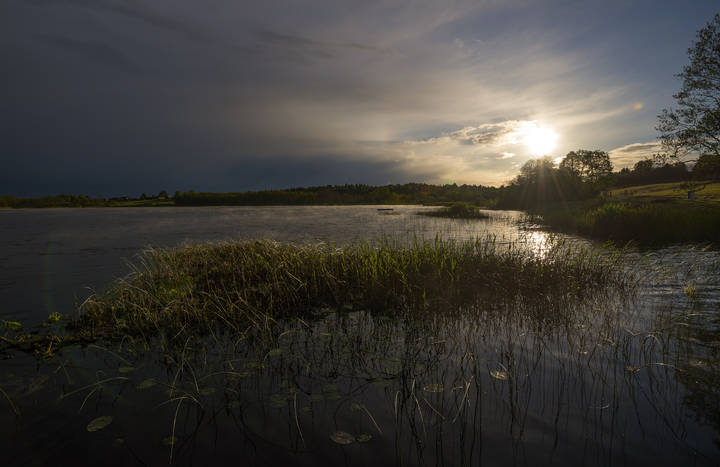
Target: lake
{"type": "Point", "coordinates": [53, 258]}
{"type": "Point", "coordinates": [624, 380]}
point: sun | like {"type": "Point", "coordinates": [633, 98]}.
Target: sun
{"type": "Point", "coordinates": [541, 141]}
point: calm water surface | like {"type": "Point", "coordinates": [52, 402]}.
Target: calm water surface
{"type": "Point", "coordinates": [620, 382]}
{"type": "Point", "coordinates": [53, 258]}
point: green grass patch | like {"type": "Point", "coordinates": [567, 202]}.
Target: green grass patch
{"type": "Point", "coordinates": [657, 213]}
{"type": "Point", "coordinates": [247, 285]}
{"type": "Point", "coordinates": [705, 191]}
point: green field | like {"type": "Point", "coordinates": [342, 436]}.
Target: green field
{"type": "Point", "coordinates": [658, 213]}
{"type": "Point", "coordinates": [706, 191]}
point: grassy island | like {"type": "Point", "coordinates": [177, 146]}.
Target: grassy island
{"type": "Point", "coordinates": [243, 285]}
{"type": "Point", "coordinates": [458, 211]}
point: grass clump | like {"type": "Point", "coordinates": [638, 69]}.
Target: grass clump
{"type": "Point", "coordinates": [645, 222]}
{"type": "Point", "coordinates": [458, 211]}
{"type": "Point", "coordinates": [245, 284]}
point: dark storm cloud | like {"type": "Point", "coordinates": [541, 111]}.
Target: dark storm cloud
{"type": "Point", "coordinates": [132, 10]}
{"type": "Point", "coordinates": [112, 96]}
{"type": "Point", "coordinates": [120, 175]}
{"type": "Point", "coordinates": [93, 51]}
{"type": "Point", "coordinates": [290, 40]}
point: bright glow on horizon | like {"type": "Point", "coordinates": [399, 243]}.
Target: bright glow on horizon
{"type": "Point", "coordinates": [541, 141]}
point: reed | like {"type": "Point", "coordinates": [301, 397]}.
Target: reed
{"type": "Point", "coordinates": [648, 222]}
{"type": "Point", "coordinates": [249, 284]}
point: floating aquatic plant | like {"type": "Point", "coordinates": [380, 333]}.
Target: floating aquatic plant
{"type": "Point", "coordinates": [99, 423]}
{"type": "Point", "coordinates": [342, 437]}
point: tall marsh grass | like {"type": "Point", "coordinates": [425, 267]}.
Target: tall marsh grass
{"type": "Point", "coordinates": [245, 284]}
{"type": "Point", "coordinates": [651, 222]}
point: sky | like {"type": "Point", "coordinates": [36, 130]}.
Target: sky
{"type": "Point", "coordinates": [119, 97]}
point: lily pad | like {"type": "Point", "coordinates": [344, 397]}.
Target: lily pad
{"type": "Point", "coordinates": [147, 383]}
{"type": "Point", "coordinates": [342, 437]}
{"type": "Point", "coordinates": [499, 374]}
{"type": "Point", "coordinates": [37, 384]}
{"type": "Point", "coordinates": [364, 437]}
{"type": "Point", "coordinates": [99, 423]}
{"type": "Point", "coordinates": [435, 387]}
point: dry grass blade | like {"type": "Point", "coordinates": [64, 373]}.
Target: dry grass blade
{"type": "Point", "coordinates": [14, 408]}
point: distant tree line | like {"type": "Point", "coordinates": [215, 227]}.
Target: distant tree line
{"type": "Point", "coordinates": [75, 201]}
{"type": "Point", "coordinates": [648, 171]}
{"type": "Point", "coordinates": [580, 175]}
{"type": "Point", "coordinates": [56, 201]}
{"type": "Point", "coordinates": [409, 193]}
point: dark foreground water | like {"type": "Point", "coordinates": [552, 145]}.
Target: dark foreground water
{"type": "Point", "coordinates": [617, 382]}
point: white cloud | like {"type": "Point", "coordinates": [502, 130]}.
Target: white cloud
{"type": "Point", "coordinates": [628, 155]}
{"type": "Point", "coordinates": [485, 154]}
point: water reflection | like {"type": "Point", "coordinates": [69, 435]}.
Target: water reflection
{"type": "Point", "coordinates": [488, 386]}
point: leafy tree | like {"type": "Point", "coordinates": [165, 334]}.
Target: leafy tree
{"type": "Point", "coordinates": [535, 171]}
{"type": "Point", "coordinates": [643, 167]}
{"type": "Point", "coordinates": [589, 166]}
{"type": "Point", "coordinates": [694, 127]}
{"type": "Point", "coordinates": [540, 183]}
{"type": "Point", "coordinates": [707, 166]}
